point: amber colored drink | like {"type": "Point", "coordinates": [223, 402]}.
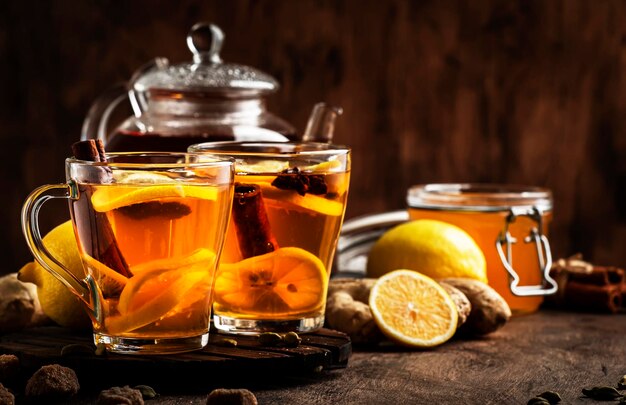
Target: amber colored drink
{"type": "Point", "coordinates": [168, 235]}
{"type": "Point", "coordinates": [285, 222]}
{"type": "Point", "coordinates": [150, 228]}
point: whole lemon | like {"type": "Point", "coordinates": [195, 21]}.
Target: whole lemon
{"type": "Point", "coordinates": [57, 302]}
{"type": "Point", "coordinates": [434, 248]}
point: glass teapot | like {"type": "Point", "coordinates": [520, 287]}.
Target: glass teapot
{"type": "Point", "coordinates": [175, 106]}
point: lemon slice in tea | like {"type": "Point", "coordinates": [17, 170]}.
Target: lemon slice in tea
{"type": "Point", "coordinates": [110, 197]}
{"type": "Point", "coordinates": [291, 200]}
{"type": "Point", "coordinates": [288, 280]}
{"type": "Point", "coordinates": [412, 309]}
{"type": "Point", "coordinates": [110, 281]}
{"type": "Point", "coordinates": [159, 287]}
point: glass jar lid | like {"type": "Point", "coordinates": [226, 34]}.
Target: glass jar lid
{"type": "Point", "coordinates": [478, 197]}
{"type": "Point", "coordinates": [207, 73]}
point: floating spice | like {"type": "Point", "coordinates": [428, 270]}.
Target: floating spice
{"type": "Point", "coordinates": [169, 210]}
{"type": "Point", "coordinates": [253, 229]}
{"type": "Point", "coordinates": [293, 179]}
{"type": "Point", "coordinates": [104, 247]}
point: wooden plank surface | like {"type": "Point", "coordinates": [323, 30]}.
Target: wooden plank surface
{"type": "Point", "coordinates": [549, 350]}
{"type": "Point", "coordinates": [326, 349]}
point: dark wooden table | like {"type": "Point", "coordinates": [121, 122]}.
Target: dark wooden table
{"type": "Point", "coordinates": [557, 351]}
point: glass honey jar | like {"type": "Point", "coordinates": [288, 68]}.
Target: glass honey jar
{"type": "Point", "coordinates": [509, 223]}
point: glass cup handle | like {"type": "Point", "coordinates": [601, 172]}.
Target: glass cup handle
{"type": "Point", "coordinates": [30, 228]}
{"type": "Point", "coordinates": [549, 285]}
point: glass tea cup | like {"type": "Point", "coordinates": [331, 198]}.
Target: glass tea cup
{"type": "Point", "coordinates": [508, 222]}
{"type": "Point", "coordinates": [288, 208]}
{"type": "Point", "coordinates": [150, 228]}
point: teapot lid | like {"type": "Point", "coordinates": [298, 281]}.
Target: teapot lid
{"type": "Point", "coordinates": [207, 73]}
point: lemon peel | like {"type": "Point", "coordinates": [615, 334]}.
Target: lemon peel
{"type": "Point", "coordinates": [57, 302]}
{"type": "Point", "coordinates": [286, 280]}
{"type": "Point", "coordinates": [107, 198]}
{"type": "Point", "coordinates": [434, 248]}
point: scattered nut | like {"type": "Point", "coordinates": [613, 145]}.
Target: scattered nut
{"type": "Point", "coordinates": [292, 339]}
{"type": "Point", "coordinates": [9, 367]}
{"type": "Point", "coordinates": [101, 349]}
{"type": "Point", "coordinates": [6, 398]}
{"type": "Point", "coordinates": [222, 396]}
{"type": "Point", "coordinates": [52, 381]}
{"type": "Point", "coordinates": [120, 396]}
{"type": "Point", "coordinates": [227, 342]}
{"type": "Point", "coordinates": [270, 339]}
{"type": "Point", "coordinates": [147, 392]}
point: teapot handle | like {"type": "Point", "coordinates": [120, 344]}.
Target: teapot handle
{"type": "Point", "coordinates": [97, 120]}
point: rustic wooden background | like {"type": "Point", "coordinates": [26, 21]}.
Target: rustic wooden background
{"type": "Point", "coordinates": [529, 92]}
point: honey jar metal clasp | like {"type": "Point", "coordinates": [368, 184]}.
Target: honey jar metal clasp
{"type": "Point", "coordinates": [549, 285]}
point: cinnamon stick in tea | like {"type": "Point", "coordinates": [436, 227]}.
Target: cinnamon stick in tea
{"type": "Point", "coordinates": [104, 247]}
{"type": "Point", "coordinates": [252, 225]}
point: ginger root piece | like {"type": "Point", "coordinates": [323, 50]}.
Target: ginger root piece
{"type": "Point", "coordinates": [463, 305]}
{"type": "Point", "coordinates": [489, 310]}
{"type": "Point", "coordinates": [357, 288]}
{"type": "Point", "coordinates": [347, 310]}
{"type": "Point", "coordinates": [19, 305]}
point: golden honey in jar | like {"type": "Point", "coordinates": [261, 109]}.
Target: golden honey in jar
{"type": "Point", "coordinates": [509, 223]}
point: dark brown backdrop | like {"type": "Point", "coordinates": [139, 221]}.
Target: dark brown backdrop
{"type": "Point", "coordinates": [528, 92]}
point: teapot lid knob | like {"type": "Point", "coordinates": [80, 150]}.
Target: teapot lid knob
{"type": "Point", "coordinates": [205, 42]}
{"type": "Point", "coordinates": [206, 73]}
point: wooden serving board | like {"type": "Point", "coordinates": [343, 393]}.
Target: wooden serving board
{"type": "Point", "coordinates": [214, 365]}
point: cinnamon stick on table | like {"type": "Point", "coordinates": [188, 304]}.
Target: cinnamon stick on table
{"type": "Point", "coordinates": [585, 287]}
{"type": "Point", "coordinates": [104, 247]}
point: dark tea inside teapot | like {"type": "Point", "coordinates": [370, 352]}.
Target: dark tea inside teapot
{"type": "Point", "coordinates": [175, 106]}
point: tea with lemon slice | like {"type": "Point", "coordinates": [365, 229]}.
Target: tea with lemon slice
{"type": "Point", "coordinates": [169, 233]}
{"type": "Point", "coordinates": [287, 213]}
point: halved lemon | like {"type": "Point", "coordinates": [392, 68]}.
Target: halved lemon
{"type": "Point", "coordinates": [412, 309]}
{"type": "Point", "coordinates": [159, 287]}
{"type": "Point", "coordinates": [290, 199]}
{"type": "Point", "coordinates": [288, 280]}
{"type": "Point", "coordinates": [107, 198]}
